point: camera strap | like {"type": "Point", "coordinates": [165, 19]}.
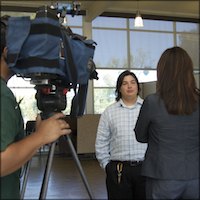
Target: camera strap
{"type": "Point", "coordinates": [79, 99]}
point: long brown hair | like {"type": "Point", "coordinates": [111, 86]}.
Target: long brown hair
{"type": "Point", "coordinates": [175, 82]}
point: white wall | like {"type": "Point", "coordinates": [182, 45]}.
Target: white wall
{"type": "Point", "coordinates": [148, 88]}
{"type": "Point", "coordinates": [196, 76]}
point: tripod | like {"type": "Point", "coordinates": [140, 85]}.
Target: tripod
{"type": "Point", "coordinates": [52, 99]}
{"type": "Point", "coordinates": [49, 162]}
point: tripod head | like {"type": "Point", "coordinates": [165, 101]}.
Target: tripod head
{"type": "Point", "coordinates": [51, 98]}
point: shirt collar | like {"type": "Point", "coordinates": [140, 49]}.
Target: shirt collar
{"type": "Point", "coordinates": [139, 101]}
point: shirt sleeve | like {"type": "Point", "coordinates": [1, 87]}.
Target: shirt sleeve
{"type": "Point", "coordinates": [143, 122]}
{"type": "Point", "coordinates": [11, 121]}
{"type": "Point", "coordinates": [102, 144]}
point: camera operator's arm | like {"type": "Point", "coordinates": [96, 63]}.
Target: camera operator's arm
{"type": "Point", "coordinates": [18, 153]}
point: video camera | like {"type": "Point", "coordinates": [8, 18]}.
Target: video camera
{"type": "Point", "coordinates": [53, 57]}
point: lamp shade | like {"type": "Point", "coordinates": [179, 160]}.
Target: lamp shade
{"type": "Point", "coordinates": [138, 20]}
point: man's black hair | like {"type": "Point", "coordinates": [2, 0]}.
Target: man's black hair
{"type": "Point", "coordinates": [120, 81]}
{"type": "Point", "coordinates": [4, 21]}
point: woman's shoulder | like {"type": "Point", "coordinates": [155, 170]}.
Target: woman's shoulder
{"type": "Point", "coordinates": [154, 100]}
{"type": "Point", "coordinates": [152, 97]}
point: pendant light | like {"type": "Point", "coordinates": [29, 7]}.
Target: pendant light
{"type": "Point", "coordinates": [138, 23]}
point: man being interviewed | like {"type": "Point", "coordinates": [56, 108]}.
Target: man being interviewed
{"type": "Point", "coordinates": [117, 150]}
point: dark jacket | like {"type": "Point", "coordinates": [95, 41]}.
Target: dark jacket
{"type": "Point", "coordinates": [173, 141]}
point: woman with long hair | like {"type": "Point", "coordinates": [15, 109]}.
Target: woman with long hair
{"type": "Point", "coordinates": [169, 123]}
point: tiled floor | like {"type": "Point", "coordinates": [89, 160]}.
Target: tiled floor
{"type": "Point", "coordinates": [65, 180]}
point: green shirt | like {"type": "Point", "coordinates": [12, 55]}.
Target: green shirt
{"type": "Point", "coordinates": [12, 130]}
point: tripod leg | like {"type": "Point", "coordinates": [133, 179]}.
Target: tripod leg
{"type": "Point", "coordinates": [43, 191]}
{"type": "Point", "coordinates": [79, 166]}
{"type": "Point", "coordinates": [24, 183]}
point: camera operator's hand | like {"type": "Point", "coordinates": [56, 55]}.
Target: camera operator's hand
{"type": "Point", "coordinates": [18, 153]}
{"type": "Point", "coordinates": [52, 128]}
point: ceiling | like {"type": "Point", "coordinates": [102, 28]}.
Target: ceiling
{"type": "Point", "coordinates": [170, 8]}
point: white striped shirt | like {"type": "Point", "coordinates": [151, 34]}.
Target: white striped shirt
{"type": "Point", "coordinates": [115, 135]}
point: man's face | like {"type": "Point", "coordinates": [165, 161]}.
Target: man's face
{"type": "Point", "coordinates": [129, 87]}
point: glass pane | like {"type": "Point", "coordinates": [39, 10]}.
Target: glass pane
{"type": "Point", "coordinates": [28, 102]}
{"type": "Point", "coordinates": [147, 47]}
{"type": "Point", "coordinates": [74, 21]}
{"type": "Point", "coordinates": [190, 42]}
{"type": "Point", "coordinates": [19, 82]}
{"type": "Point", "coordinates": [107, 78]}
{"type": "Point", "coordinates": [109, 22]}
{"type": "Point", "coordinates": [154, 25]}
{"type": "Point", "coordinates": [103, 98]}
{"type": "Point", "coordinates": [104, 88]}
{"type": "Point", "coordinates": [187, 27]}
{"type": "Point", "coordinates": [145, 76]}
{"type": "Point", "coordinates": [77, 30]}
{"type": "Point", "coordinates": [69, 97]}
{"type": "Point", "coordinates": [111, 50]}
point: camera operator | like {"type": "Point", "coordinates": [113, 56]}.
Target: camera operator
{"type": "Point", "coordinates": [16, 149]}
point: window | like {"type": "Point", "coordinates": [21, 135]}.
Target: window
{"type": "Point", "coordinates": [188, 38]}
{"type": "Point", "coordinates": [111, 50]}
{"type": "Point", "coordinates": [109, 22]}
{"type": "Point", "coordinates": [120, 46]}
{"type": "Point", "coordinates": [104, 88]}
{"type": "Point", "coordinates": [25, 94]}
{"type": "Point", "coordinates": [146, 48]}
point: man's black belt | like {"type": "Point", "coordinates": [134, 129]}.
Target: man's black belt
{"type": "Point", "coordinates": [130, 163]}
